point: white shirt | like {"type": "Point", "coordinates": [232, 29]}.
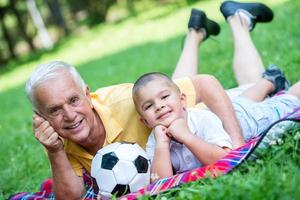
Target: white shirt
{"type": "Point", "coordinates": [203, 123]}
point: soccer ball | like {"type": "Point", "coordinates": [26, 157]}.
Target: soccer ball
{"type": "Point", "coordinates": [120, 168]}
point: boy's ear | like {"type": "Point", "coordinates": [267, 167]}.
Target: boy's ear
{"type": "Point", "coordinates": [183, 100]}
{"type": "Point", "coordinates": [144, 122]}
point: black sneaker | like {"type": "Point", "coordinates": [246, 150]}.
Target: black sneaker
{"type": "Point", "coordinates": [259, 11]}
{"type": "Point", "coordinates": [277, 77]}
{"type": "Point", "coordinates": [199, 20]}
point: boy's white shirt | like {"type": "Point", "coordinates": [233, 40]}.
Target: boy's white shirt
{"type": "Point", "coordinates": [203, 123]}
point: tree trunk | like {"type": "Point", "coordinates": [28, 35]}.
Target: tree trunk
{"type": "Point", "coordinates": [39, 24]}
{"type": "Point", "coordinates": [6, 35]}
{"type": "Point", "coordinates": [130, 7]}
{"type": "Point", "coordinates": [21, 25]}
{"type": "Point", "coordinates": [98, 10]}
{"type": "Point", "coordinates": [56, 13]}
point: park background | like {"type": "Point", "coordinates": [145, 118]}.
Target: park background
{"type": "Point", "coordinates": [118, 43]}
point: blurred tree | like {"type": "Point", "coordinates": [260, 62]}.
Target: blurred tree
{"type": "Point", "coordinates": [39, 24]}
{"type": "Point", "coordinates": [7, 37]}
{"type": "Point", "coordinates": [98, 10]}
{"type": "Point", "coordinates": [95, 10]}
{"type": "Point", "coordinates": [55, 10]}
{"type": "Point", "coordinates": [21, 26]}
{"type": "Point", "coordinates": [130, 7]}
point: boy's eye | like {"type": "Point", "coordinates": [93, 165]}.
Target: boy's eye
{"type": "Point", "coordinates": [147, 106]}
{"type": "Point", "coordinates": [165, 96]}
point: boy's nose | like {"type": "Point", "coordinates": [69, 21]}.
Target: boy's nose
{"type": "Point", "coordinates": [159, 106]}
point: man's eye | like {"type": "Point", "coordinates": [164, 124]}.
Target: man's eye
{"type": "Point", "coordinates": [74, 100]}
{"type": "Point", "coordinates": [54, 111]}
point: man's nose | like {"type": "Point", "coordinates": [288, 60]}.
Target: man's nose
{"type": "Point", "coordinates": [69, 113]}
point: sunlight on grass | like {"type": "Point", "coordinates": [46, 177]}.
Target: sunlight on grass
{"type": "Point", "coordinates": [151, 41]}
{"type": "Point", "coordinates": [111, 38]}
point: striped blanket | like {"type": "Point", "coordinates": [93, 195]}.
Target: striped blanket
{"type": "Point", "coordinates": [223, 166]}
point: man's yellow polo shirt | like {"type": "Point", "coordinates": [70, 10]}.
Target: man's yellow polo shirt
{"type": "Point", "coordinates": [116, 109]}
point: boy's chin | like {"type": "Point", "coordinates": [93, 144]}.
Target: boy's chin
{"type": "Point", "coordinates": [166, 123]}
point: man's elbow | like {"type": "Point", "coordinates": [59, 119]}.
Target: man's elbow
{"type": "Point", "coordinates": [72, 194]}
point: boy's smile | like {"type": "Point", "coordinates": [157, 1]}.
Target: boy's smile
{"type": "Point", "coordinates": [160, 103]}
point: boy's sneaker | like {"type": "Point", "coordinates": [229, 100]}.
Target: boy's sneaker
{"type": "Point", "coordinates": [198, 20]}
{"type": "Point", "coordinates": [277, 77]}
{"type": "Point", "coordinates": [258, 12]}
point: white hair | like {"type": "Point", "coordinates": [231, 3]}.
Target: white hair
{"type": "Point", "coordinates": [48, 71]}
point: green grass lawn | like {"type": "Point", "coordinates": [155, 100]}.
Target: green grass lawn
{"type": "Point", "coordinates": [151, 41]}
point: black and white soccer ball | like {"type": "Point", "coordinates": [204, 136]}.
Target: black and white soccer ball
{"type": "Point", "coordinates": [121, 168]}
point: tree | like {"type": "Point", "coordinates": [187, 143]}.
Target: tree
{"type": "Point", "coordinates": [39, 24]}
{"type": "Point", "coordinates": [56, 13]}
{"type": "Point", "coordinates": [21, 25]}
{"type": "Point", "coordinates": [8, 40]}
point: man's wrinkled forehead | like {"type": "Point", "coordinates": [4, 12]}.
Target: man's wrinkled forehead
{"type": "Point", "coordinates": [60, 87]}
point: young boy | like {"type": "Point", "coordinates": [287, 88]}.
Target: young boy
{"type": "Point", "coordinates": [186, 138]}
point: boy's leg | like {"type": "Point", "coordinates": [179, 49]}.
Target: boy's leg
{"type": "Point", "coordinates": [188, 61]}
{"type": "Point", "coordinates": [272, 81]}
{"type": "Point", "coordinates": [199, 29]}
{"type": "Point", "coordinates": [242, 17]}
{"type": "Point", "coordinates": [259, 91]}
{"type": "Point", "coordinates": [295, 90]}
{"type": "Point", "coordinates": [247, 63]}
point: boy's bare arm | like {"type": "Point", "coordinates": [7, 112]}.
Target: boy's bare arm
{"type": "Point", "coordinates": [211, 93]}
{"type": "Point", "coordinates": [161, 164]}
{"type": "Point", "coordinates": [205, 152]}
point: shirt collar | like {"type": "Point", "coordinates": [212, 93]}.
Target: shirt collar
{"type": "Point", "coordinates": [111, 126]}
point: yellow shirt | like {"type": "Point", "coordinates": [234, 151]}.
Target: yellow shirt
{"type": "Point", "coordinates": [116, 109]}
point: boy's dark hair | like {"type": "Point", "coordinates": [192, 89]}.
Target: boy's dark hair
{"type": "Point", "coordinates": [146, 78]}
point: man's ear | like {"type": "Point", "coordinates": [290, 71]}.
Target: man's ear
{"type": "Point", "coordinates": [88, 95]}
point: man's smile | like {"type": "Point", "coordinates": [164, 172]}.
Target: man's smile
{"type": "Point", "coordinates": [74, 126]}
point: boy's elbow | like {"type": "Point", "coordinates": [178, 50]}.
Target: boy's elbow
{"type": "Point", "coordinates": [203, 80]}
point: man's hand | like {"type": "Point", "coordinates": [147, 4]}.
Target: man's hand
{"type": "Point", "coordinates": [178, 130]}
{"type": "Point", "coordinates": [46, 135]}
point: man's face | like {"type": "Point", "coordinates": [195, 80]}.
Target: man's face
{"type": "Point", "coordinates": [66, 107]}
{"type": "Point", "coordinates": [159, 103]}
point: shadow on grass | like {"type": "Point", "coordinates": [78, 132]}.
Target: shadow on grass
{"type": "Point", "coordinates": [33, 56]}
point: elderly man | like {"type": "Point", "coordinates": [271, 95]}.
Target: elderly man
{"type": "Point", "coordinates": [73, 124]}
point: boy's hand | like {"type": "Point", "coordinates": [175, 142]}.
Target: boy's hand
{"type": "Point", "coordinates": [179, 129]}
{"type": "Point", "coordinates": [160, 133]}
{"type": "Point", "coordinates": [46, 135]}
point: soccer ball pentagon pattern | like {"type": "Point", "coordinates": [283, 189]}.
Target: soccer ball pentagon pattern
{"type": "Point", "coordinates": [121, 168]}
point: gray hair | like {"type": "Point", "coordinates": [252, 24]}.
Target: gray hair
{"type": "Point", "coordinates": [48, 71]}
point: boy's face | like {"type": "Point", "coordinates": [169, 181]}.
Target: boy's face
{"type": "Point", "coordinates": [160, 103]}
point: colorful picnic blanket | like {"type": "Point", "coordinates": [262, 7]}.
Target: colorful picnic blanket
{"type": "Point", "coordinates": [233, 159]}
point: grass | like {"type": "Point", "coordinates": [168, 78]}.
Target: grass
{"type": "Point", "coordinates": [151, 41]}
